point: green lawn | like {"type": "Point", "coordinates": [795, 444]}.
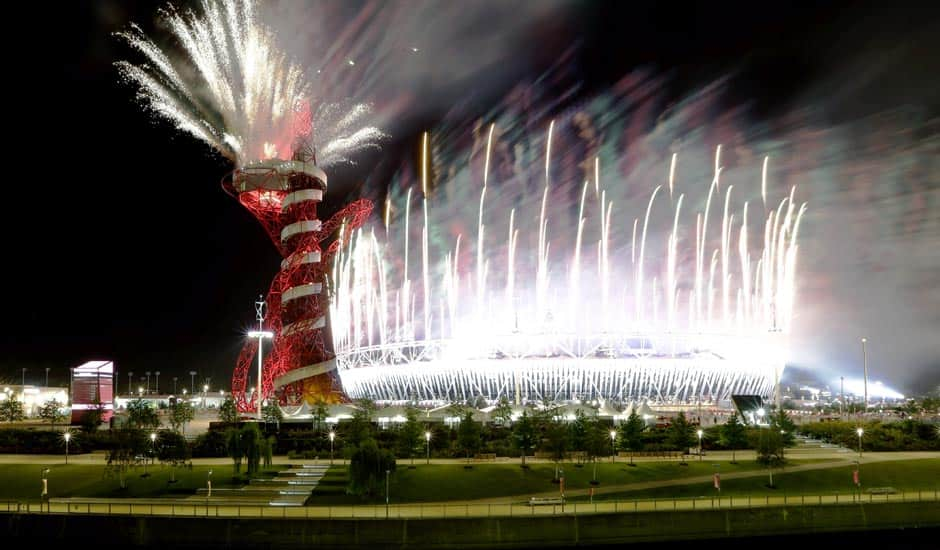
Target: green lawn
{"type": "Point", "coordinates": [24, 481]}
{"type": "Point", "coordinates": [906, 475]}
{"type": "Point", "coordinates": [439, 482]}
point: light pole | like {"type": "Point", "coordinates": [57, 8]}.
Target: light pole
{"type": "Point", "coordinates": [386, 492]}
{"type": "Point", "coordinates": [158, 382]}
{"type": "Point", "coordinates": [47, 377]}
{"type": "Point", "coordinates": [700, 433]}
{"type": "Point", "coordinates": [174, 385]}
{"type": "Point", "coordinates": [140, 391]}
{"type": "Point", "coordinates": [427, 439]}
{"type": "Point", "coordinates": [209, 484]}
{"type": "Point", "coordinates": [205, 394]}
{"type": "Point", "coordinates": [130, 377]}
{"type": "Point", "coordinates": [332, 437]}
{"type": "Point", "coordinates": [260, 334]}
{"type": "Point", "coordinates": [153, 446]}
{"type": "Point", "coordinates": [859, 431]}
{"type": "Point", "coordinates": [23, 381]}
{"type": "Point", "coordinates": [148, 381]}
{"type": "Point", "coordinates": [45, 485]}
{"type": "Point", "coordinates": [68, 437]}
{"type": "Point", "coordinates": [613, 438]}
{"type": "Point", "coordinates": [192, 381]}
{"type": "Point", "coordinates": [841, 394]}
{"type": "Point", "coordinates": [865, 363]}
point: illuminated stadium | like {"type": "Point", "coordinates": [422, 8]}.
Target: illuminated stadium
{"type": "Point", "coordinates": [489, 318]}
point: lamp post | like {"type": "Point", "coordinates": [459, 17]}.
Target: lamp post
{"type": "Point", "coordinates": [130, 376]}
{"type": "Point", "coordinates": [260, 334]}
{"type": "Point", "coordinates": [865, 366]}
{"type": "Point", "coordinates": [45, 485]}
{"type": "Point", "coordinates": [23, 381]}
{"type": "Point", "coordinates": [205, 394]}
{"type": "Point", "coordinates": [209, 484]}
{"type": "Point", "coordinates": [427, 439]}
{"type": "Point", "coordinates": [153, 446]}
{"type": "Point", "coordinates": [192, 381]}
{"type": "Point", "coordinates": [47, 377]}
{"type": "Point", "coordinates": [613, 438]}
{"type": "Point", "coordinates": [67, 436]}
{"type": "Point", "coordinates": [859, 431]}
{"type": "Point", "coordinates": [332, 437]}
{"type": "Point", "coordinates": [387, 472]}
{"type": "Point", "coordinates": [841, 394]}
{"type": "Point", "coordinates": [148, 381]}
{"type": "Point", "coordinates": [158, 382]}
{"type": "Point", "coordinates": [174, 385]}
{"type": "Point", "coordinates": [700, 433]}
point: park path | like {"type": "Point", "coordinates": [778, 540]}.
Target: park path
{"type": "Point", "coordinates": [870, 458]}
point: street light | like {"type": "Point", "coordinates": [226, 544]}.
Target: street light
{"type": "Point", "coordinates": [174, 385]}
{"type": "Point", "coordinates": [67, 436]}
{"type": "Point", "coordinates": [865, 363]}
{"type": "Point", "coordinates": [45, 485]}
{"type": "Point", "coordinates": [148, 382]}
{"type": "Point", "coordinates": [260, 334]}
{"type": "Point", "coordinates": [47, 377]}
{"type": "Point", "coordinates": [140, 390]}
{"type": "Point", "coordinates": [332, 437]}
{"type": "Point", "coordinates": [859, 431]}
{"type": "Point", "coordinates": [613, 437]}
{"type": "Point", "coordinates": [158, 382]}
{"type": "Point", "coordinates": [192, 381]}
{"type": "Point", "coordinates": [386, 493]}
{"type": "Point", "coordinates": [427, 438]}
{"type": "Point", "coordinates": [700, 433]}
{"type": "Point", "coordinates": [209, 484]}
{"type": "Point", "coordinates": [130, 376]}
{"type": "Point", "coordinates": [153, 445]}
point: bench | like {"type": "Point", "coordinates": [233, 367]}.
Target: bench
{"type": "Point", "coordinates": [883, 491]}
{"type": "Point", "coordinates": [484, 456]}
{"type": "Point", "coordinates": [539, 501]}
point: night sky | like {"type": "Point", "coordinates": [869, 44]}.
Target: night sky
{"type": "Point", "coordinates": [119, 242]}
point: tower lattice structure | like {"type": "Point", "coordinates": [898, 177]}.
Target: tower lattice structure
{"type": "Point", "coordinates": [283, 195]}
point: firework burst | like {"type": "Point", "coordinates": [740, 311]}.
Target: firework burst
{"type": "Point", "coordinates": [233, 88]}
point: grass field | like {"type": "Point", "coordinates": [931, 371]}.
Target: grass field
{"type": "Point", "coordinates": [24, 481]}
{"type": "Point", "coordinates": [439, 482]}
{"type": "Point", "coordinates": [906, 475]}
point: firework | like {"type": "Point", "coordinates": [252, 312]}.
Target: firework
{"type": "Point", "coordinates": [680, 320]}
{"type": "Point", "coordinates": [230, 86]}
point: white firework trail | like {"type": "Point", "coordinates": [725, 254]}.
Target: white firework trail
{"type": "Point", "coordinates": [233, 88]}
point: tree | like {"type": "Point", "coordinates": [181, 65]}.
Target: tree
{"type": "Point", "coordinates": [631, 434]}
{"type": "Point", "coordinates": [367, 467]}
{"type": "Point", "coordinates": [233, 445]}
{"type": "Point", "coordinates": [172, 449]}
{"type": "Point", "coordinates": [502, 413]}
{"type": "Point", "coordinates": [228, 412]}
{"type": "Point", "coordinates": [11, 409]}
{"type": "Point", "coordinates": [409, 435]}
{"type": "Point", "coordinates": [267, 451]}
{"type": "Point", "coordinates": [558, 441]}
{"type": "Point", "coordinates": [125, 446]}
{"type": "Point", "coordinates": [781, 423]}
{"type": "Point", "coordinates": [770, 448]}
{"type": "Point", "coordinates": [272, 413]}
{"type": "Point", "coordinates": [181, 414]}
{"type": "Point", "coordinates": [524, 434]}
{"type": "Point", "coordinates": [681, 434]}
{"type": "Point", "coordinates": [579, 432]}
{"type": "Point", "coordinates": [469, 434]}
{"type": "Point", "coordinates": [52, 411]}
{"type": "Point", "coordinates": [320, 412]}
{"type": "Point", "coordinates": [360, 426]}
{"type": "Point", "coordinates": [252, 443]}
{"type": "Point", "coordinates": [596, 440]}
{"type": "Point", "coordinates": [141, 415]}
{"type": "Point", "coordinates": [93, 417]}
{"type": "Point", "coordinates": [734, 435]}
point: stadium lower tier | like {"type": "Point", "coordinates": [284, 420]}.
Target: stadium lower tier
{"type": "Point", "coordinates": [653, 379]}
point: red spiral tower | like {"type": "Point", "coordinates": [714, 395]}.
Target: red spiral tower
{"type": "Point", "coordinates": [283, 195]}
